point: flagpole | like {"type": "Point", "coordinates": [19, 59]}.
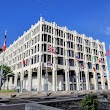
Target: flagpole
{"type": "Point", "coordinates": [2, 63]}
{"type": "Point", "coordinates": [109, 57]}
{"type": "Point", "coordinates": [109, 62]}
{"type": "Point", "coordinates": [79, 76]}
{"type": "Point", "coordinates": [22, 79]}
{"type": "Point", "coordinates": [46, 76]}
{"type": "Point", "coordinates": [1, 72]}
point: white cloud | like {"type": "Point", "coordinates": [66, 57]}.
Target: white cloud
{"type": "Point", "coordinates": [107, 30]}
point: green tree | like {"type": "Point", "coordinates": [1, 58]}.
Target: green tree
{"type": "Point", "coordinates": [6, 70]}
{"type": "Point", "coordinates": [90, 102]}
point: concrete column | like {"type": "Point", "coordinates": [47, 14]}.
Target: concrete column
{"type": "Point", "coordinates": [56, 81]}
{"type": "Point", "coordinates": [39, 69]}
{"type": "Point", "coordinates": [10, 83]}
{"type": "Point", "coordinates": [21, 80]}
{"type": "Point", "coordinates": [87, 80]}
{"type": "Point", "coordinates": [77, 81]}
{"type": "Point", "coordinates": [54, 78]}
{"type": "Point", "coordinates": [39, 77]}
{"type": "Point", "coordinates": [95, 81]}
{"type": "Point", "coordinates": [6, 83]}
{"type": "Point", "coordinates": [102, 82]}
{"type": "Point", "coordinates": [66, 80]}
{"type": "Point", "coordinates": [77, 76]}
{"type": "Point", "coordinates": [41, 84]}
{"type": "Point", "coordinates": [102, 78]}
{"type": "Point", "coordinates": [67, 62]}
{"type": "Point", "coordinates": [15, 79]}
{"type": "Point", "coordinates": [73, 83]}
{"type": "Point", "coordinates": [30, 79]}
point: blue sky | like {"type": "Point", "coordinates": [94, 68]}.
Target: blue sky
{"type": "Point", "coordinates": [90, 17]}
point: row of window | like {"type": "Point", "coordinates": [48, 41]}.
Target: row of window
{"type": "Point", "coordinates": [58, 41]}
{"type": "Point", "coordinates": [59, 60]}
{"type": "Point", "coordinates": [59, 51]}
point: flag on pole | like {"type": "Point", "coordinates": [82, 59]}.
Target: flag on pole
{"type": "Point", "coordinates": [82, 66]}
{"type": "Point", "coordinates": [107, 53]}
{"type": "Point", "coordinates": [104, 68]}
{"type": "Point", "coordinates": [24, 62]}
{"type": "Point", "coordinates": [77, 57]}
{"type": "Point", "coordinates": [49, 64]}
{"type": "Point", "coordinates": [51, 49]}
{"type": "Point", "coordinates": [100, 60]}
{"type": "Point", "coordinates": [94, 69]}
{"type": "Point", "coordinates": [94, 59]}
{"type": "Point", "coordinates": [4, 46]}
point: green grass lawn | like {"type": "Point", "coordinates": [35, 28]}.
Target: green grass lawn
{"type": "Point", "coordinates": [5, 91]}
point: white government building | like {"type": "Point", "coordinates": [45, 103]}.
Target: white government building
{"type": "Point", "coordinates": [65, 73]}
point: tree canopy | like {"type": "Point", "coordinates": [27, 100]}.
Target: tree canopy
{"type": "Point", "coordinates": [6, 70]}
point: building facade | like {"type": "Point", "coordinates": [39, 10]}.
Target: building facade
{"type": "Point", "coordinates": [65, 72]}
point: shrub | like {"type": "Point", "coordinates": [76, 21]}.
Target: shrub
{"type": "Point", "coordinates": [90, 102]}
{"type": "Point", "coordinates": [6, 91]}
{"type": "Point", "coordinates": [105, 95]}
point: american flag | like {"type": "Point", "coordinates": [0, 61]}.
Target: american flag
{"type": "Point", "coordinates": [94, 69]}
{"type": "Point", "coordinates": [51, 49]}
{"type": "Point", "coordinates": [24, 62]}
{"type": "Point", "coordinates": [82, 66]}
{"type": "Point", "coordinates": [107, 53]}
{"type": "Point", "coordinates": [4, 46]}
{"type": "Point", "coordinates": [100, 60]}
{"type": "Point", "coordinates": [77, 57]}
{"type": "Point", "coordinates": [49, 64]}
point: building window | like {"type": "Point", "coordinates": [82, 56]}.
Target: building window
{"type": "Point", "coordinates": [49, 29]}
{"type": "Point", "coordinates": [42, 37]}
{"type": "Point", "coordinates": [97, 67]}
{"type": "Point", "coordinates": [35, 39]}
{"type": "Point", "coordinates": [45, 47]}
{"type": "Point", "coordinates": [45, 37]}
{"type": "Point", "coordinates": [49, 38]}
{"type": "Point", "coordinates": [58, 50]}
{"type": "Point", "coordinates": [31, 51]}
{"type": "Point", "coordinates": [61, 51]}
{"type": "Point", "coordinates": [34, 59]}
{"type": "Point", "coordinates": [44, 57]}
{"type": "Point", "coordinates": [27, 62]}
{"type": "Point", "coordinates": [61, 42]}
{"type": "Point", "coordinates": [68, 44]}
{"type": "Point", "coordinates": [38, 58]}
{"type": "Point", "coordinates": [60, 60]}
{"type": "Point", "coordinates": [35, 49]}
{"type": "Point", "coordinates": [69, 53]}
{"type": "Point", "coordinates": [72, 45]}
{"type": "Point", "coordinates": [71, 62]}
{"type": "Point", "coordinates": [57, 41]}
{"type": "Point", "coordinates": [38, 47]}
{"type": "Point", "coordinates": [38, 37]}
{"type": "Point", "coordinates": [49, 58]}
{"type": "Point", "coordinates": [89, 65]}
{"type": "Point", "coordinates": [32, 42]}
